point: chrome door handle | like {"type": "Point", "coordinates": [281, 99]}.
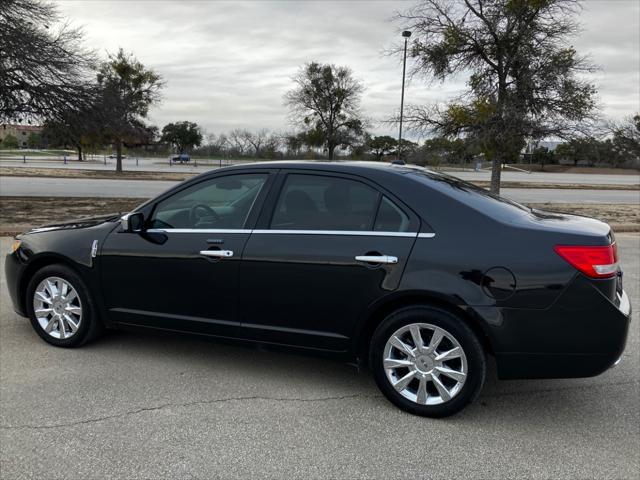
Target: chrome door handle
{"type": "Point", "coordinates": [377, 258]}
{"type": "Point", "coordinates": [217, 253]}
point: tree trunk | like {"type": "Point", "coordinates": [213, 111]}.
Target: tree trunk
{"type": "Point", "coordinates": [118, 155]}
{"type": "Point", "coordinates": [331, 148]}
{"type": "Point", "coordinates": [496, 168]}
{"type": "Point", "coordinates": [79, 153]}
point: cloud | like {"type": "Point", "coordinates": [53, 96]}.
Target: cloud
{"type": "Point", "coordinates": [227, 64]}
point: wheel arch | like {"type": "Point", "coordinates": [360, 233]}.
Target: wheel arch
{"type": "Point", "coordinates": [37, 264]}
{"type": "Point", "coordinates": [381, 310]}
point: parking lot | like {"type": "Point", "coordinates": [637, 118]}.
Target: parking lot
{"type": "Point", "coordinates": [146, 406]}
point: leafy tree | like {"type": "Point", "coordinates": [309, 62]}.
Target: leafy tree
{"type": "Point", "coordinates": [43, 67]}
{"type": "Point", "coordinates": [325, 102]}
{"type": "Point", "coordinates": [524, 80]}
{"type": "Point", "coordinates": [76, 128]}
{"type": "Point", "coordinates": [543, 156]}
{"type": "Point", "coordinates": [10, 142]}
{"type": "Point", "coordinates": [182, 135]}
{"type": "Point", "coordinates": [439, 150]}
{"type": "Point", "coordinates": [626, 139]}
{"type": "Point", "coordinates": [34, 140]}
{"type": "Point", "coordinates": [407, 148]}
{"type": "Point", "coordinates": [382, 145]}
{"type": "Point", "coordinates": [128, 90]}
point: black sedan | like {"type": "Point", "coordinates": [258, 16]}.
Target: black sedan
{"type": "Point", "coordinates": [416, 274]}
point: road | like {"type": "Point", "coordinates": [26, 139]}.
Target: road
{"type": "Point", "coordinates": [67, 187]}
{"type": "Point", "coordinates": [143, 406]}
{"type": "Point", "coordinates": [161, 165]}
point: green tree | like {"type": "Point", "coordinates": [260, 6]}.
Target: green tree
{"type": "Point", "coordinates": [626, 139]}
{"type": "Point", "coordinates": [34, 140]}
{"type": "Point", "coordinates": [76, 128]}
{"type": "Point", "coordinates": [524, 75]}
{"type": "Point", "coordinates": [407, 148]}
{"type": "Point", "coordinates": [325, 102]}
{"type": "Point", "coordinates": [543, 156]}
{"type": "Point", "coordinates": [10, 142]}
{"type": "Point", "coordinates": [182, 135]}
{"type": "Point", "coordinates": [128, 90]}
{"type": "Point", "coordinates": [382, 145]}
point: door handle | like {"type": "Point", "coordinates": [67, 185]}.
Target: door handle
{"type": "Point", "coordinates": [217, 253]}
{"type": "Point", "coordinates": [377, 258]}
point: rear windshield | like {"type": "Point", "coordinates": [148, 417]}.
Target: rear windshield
{"type": "Point", "coordinates": [476, 197]}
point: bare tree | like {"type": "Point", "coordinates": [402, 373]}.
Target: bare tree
{"type": "Point", "coordinates": [255, 140]}
{"type": "Point", "coordinates": [325, 102]}
{"type": "Point", "coordinates": [524, 75]}
{"type": "Point", "coordinates": [44, 70]}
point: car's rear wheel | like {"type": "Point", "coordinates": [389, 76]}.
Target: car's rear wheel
{"type": "Point", "coordinates": [60, 307]}
{"type": "Point", "coordinates": [427, 361]}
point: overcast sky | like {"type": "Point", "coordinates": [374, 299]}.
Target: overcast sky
{"type": "Point", "coordinates": [227, 64]}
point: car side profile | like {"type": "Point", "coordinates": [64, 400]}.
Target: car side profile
{"type": "Point", "coordinates": [416, 274]}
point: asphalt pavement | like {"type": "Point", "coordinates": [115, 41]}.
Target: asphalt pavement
{"type": "Point", "coordinates": [86, 187]}
{"type": "Point", "coordinates": [144, 406]}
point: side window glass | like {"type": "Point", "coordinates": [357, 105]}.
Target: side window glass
{"type": "Point", "coordinates": [314, 202]}
{"type": "Point", "coordinates": [390, 218]}
{"type": "Point", "coordinates": [223, 202]}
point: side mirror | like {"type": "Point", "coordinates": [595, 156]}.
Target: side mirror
{"type": "Point", "coordinates": [132, 222]}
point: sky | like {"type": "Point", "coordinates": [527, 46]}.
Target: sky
{"type": "Point", "coordinates": [227, 64]}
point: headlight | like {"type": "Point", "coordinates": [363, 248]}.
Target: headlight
{"type": "Point", "coordinates": [15, 245]}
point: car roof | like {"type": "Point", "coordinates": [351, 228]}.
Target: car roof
{"type": "Point", "coordinates": [338, 166]}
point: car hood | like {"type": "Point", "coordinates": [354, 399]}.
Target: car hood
{"type": "Point", "coordinates": [75, 224]}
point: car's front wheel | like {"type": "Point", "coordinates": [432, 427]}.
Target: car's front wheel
{"type": "Point", "coordinates": [60, 307]}
{"type": "Point", "coordinates": [427, 361]}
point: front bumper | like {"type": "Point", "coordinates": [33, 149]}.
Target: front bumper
{"type": "Point", "coordinates": [581, 335]}
{"type": "Point", "coordinates": [13, 269]}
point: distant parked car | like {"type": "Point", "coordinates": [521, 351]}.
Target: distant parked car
{"type": "Point", "coordinates": [182, 158]}
{"type": "Point", "coordinates": [115, 155]}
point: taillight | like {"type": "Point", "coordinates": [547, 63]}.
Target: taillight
{"type": "Point", "coordinates": [594, 262]}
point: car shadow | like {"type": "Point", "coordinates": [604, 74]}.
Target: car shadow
{"type": "Point", "coordinates": [334, 378]}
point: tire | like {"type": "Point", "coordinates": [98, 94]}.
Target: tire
{"type": "Point", "coordinates": [63, 307]}
{"type": "Point", "coordinates": [416, 372]}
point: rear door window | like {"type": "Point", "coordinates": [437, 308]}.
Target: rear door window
{"type": "Point", "coordinates": [391, 218]}
{"type": "Point", "coordinates": [316, 202]}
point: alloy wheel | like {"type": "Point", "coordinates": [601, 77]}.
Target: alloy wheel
{"type": "Point", "coordinates": [57, 307]}
{"type": "Point", "coordinates": [425, 364]}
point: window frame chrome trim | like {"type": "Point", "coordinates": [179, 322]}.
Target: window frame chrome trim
{"type": "Point", "coordinates": [361, 233]}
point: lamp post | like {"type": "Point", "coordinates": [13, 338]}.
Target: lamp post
{"type": "Point", "coordinates": [406, 34]}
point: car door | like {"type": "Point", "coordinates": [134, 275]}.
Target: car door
{"type": "Point", "coordinates": [181, 272]}
{"type": "Point", "coordinates": [329, 246]}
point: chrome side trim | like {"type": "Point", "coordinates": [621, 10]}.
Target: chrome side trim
{"type": "Point", "coordinates": [362, 233]}
{"type": "Point", "coordinates": [198, 230]}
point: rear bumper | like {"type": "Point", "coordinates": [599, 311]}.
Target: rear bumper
{"type": "Point", "coordinates": [582, 335]}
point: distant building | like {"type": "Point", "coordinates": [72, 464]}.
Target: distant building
{"type": "Point", "coordinates": [21, 132]}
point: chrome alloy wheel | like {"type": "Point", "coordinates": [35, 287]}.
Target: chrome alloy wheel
{"type": "Point", "coordinates": [57, 307]}
{"type": "Point", "coordinates": [425, 364]}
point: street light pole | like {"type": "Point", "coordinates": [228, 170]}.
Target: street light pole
{"type": "Point", "coordinates": [406, 34]}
